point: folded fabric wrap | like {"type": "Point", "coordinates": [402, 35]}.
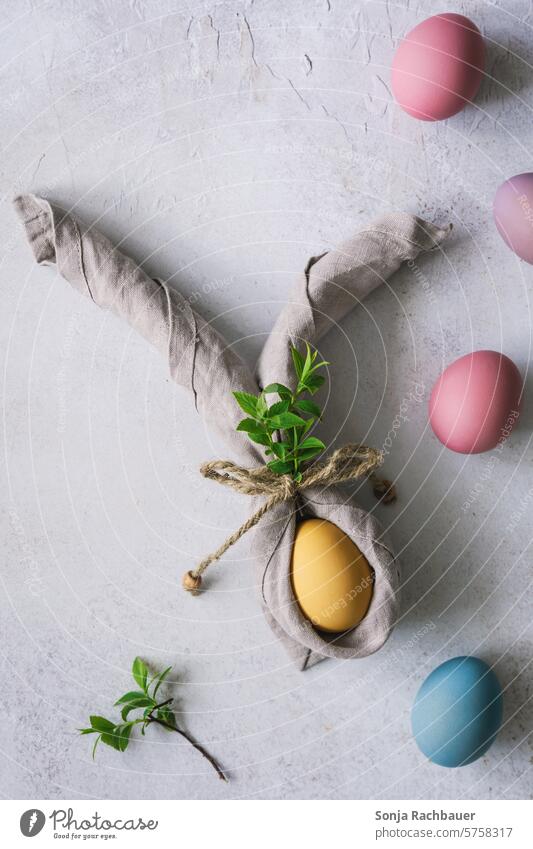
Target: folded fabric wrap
{"type": "Point", "coordinates": [201, 361]}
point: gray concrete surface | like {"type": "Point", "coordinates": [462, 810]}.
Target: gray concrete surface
{"type": "Point", "coordinates": [224, 143]}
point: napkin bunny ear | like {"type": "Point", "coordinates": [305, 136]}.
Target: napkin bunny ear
{"type": "Point", "coordinates": [198, 357]}
{"type": "Point", "coordinates": [335, 282]}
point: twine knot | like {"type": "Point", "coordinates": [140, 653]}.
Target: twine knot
{"type": "Point", "coordinates": [348, 463]}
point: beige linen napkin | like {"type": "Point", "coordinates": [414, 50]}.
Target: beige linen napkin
{"type": "Point", "coordinates": [202, 362]}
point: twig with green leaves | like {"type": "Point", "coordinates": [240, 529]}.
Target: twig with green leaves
{"type": "Point", "coordinates": [281, 427]}
{"type": "Point", "coordinates": [117, 735]}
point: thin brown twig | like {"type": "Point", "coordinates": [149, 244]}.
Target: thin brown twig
{"type": "Point", "coordinates": [214, 763]}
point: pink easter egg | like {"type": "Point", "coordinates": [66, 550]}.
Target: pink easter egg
{"type": "Point", "coordinates": [513, 214]}
{"type": "Point", "coordinates": [437, 68]}
{"type": "Point", "coordinates": [475, 403]}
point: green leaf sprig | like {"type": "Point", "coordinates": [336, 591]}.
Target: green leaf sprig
{"type": "Point", "coordinates": [117, 735]}
{"type": "Point", "coordinates": [281, 427]}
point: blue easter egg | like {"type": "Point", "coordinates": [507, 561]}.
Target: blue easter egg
{"type": "Point", "coordinates": [457, 712]}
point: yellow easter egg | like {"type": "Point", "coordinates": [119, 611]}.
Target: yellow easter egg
{"type": "Point", "coordinates": [332, 581]}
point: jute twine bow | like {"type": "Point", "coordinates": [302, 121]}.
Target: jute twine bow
{"type": "Point", "coordinates": [345, 464]}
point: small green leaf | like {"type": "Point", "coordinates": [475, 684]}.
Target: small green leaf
{"type": "Point", "coordinates": [166, 715]}
{"type": "Point", "coordinates": [280, 449]}
{"type": "Point", "coordinates": [130, 697]}
{"type": "Point", "coordinates": [280, 467]}
{"type": "Point", "coordinates": [314, 382]}
{"type": "Point", "coordinates": [259, 436]}
{"type": "Point", "coordinates": [307, 363]}
{"type": "Point", "coordinates": [279, 407]}
{"type": "Point", "coordinates": [247, 402]}
{"type": "Point", "coordinates": [308, 425]}
{"type": "Point", "coordinates": [139, 671]}
{"type": "Point", "coordinates": [308, 407]}
{"type": "Point", "coordinates": [146, 702]}
{"type": "Point", "coordinates": [100, 723]}
{"type": "Point", "coordinates": [285, 420]}
{"type": "Point", "coordinates": [160, 679]}
{"type": "Point", "coordinates": [311, 442]}
{"type": "Point", "coordinates": [283, 391]}
{"type": "Point", "coordinates": [124, 735]}
{"type": "Point", "coordinates": [308, 453]}
{"type": "Point", "coordinates": [321, 364]}
{"type": "Point", "coordinates": [112, 739]}
{"type": "Point", "coordinates": [298, 361]}
{"type": "Point", "coordinates": [87, 730]}
{"type": "Point", "coordinates": [261, 405]}
{"type": "Point", "coordinates": [95, 744]}
{"type": "Point", "coordinates": [249, 425]}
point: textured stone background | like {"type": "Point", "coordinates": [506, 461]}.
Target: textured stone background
{"type": "Point", "coordinates": [224, 143]}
